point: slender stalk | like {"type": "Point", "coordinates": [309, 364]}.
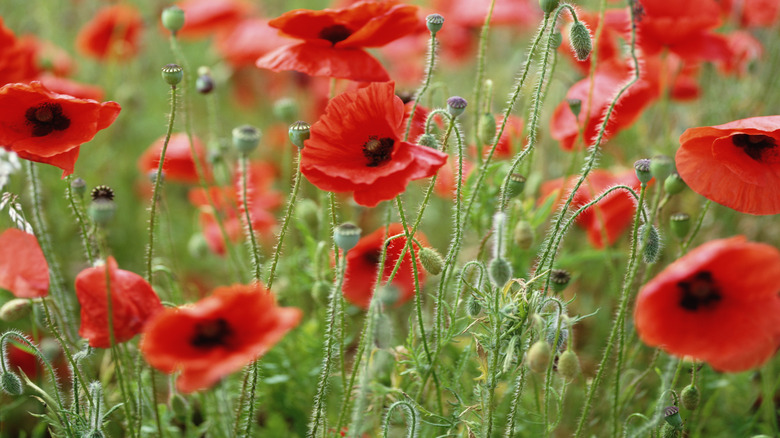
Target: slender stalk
{"type": "Point", "coordinates": [285, 222]}
{"type": "Point", "coordinates": [481, 61]}
{"type": "Point", "coordinates": [254, 248]}
{"type": "Point", "coordinates": [426, 84]}
{"type": "Point", "coordinates": [80, 220]}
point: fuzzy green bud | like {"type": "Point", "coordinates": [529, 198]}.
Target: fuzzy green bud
{"type": "Point", "coordinates": [523, 235]}
{"type": "Point", "coordinates": [286, 109]}
{"type": "Point", "coordinates": [299, 132]}
{"type": "Point", "coordinates": [11, 383]}
{"type": "Point", "coordinates": [429, 140]}
{"type": "Point", "coordinates": [389, 294]}
{"type": "Point", "coordinates": [473, 307]}
{"type": "Point", "coordinates": [556, 39]}
{"type": "Point", "coordinates": [672, 417]}
{"type": "Point", "coordinates": [568, 365]}
{"type": "Point", "coordinates": [668, 431]}
{"type": "Point", "coordinates": [173, 18]}
{"type": "Point", "coordinates": [690, 397]}
{"type": "Point", "coordinates": [346, 235]}
{"type": "Point", "coordinates": [674, 184]}
{"type": "Point", "coordinates": [15, 309]}
{"type": "Point", "coordinates": [307, 211]}
{"type": "Point", "coordinates": [559, 278]}
{"type": "Point", "coordinates": [198, 246]}
{"type": "Point", "coordinates": [456, 105]}
{"type": "Point", "coordinates": [320, 291]}
{"type": "Point", "coordinates": [431, 260]}
{"type": "Point", "coordinates": [538, 356]}
{"type": "Point", "coordinates": [246, 138]}
{"type": "Point", "coordinates": [486, 128]}
{"type": "Point", "coordinates": [579, 36]}
{"type": "Point", "coordinates": [548, 6]}
{"type": "Point", "coordinates": [680, 224]}
{"type": "Point", "coordinates": [516, 185]}
{"type": "Point", "coordinates": [434, 23]}
{"type": "Point", "coordinates": [79, 187]}
{"type": "Point", "coordinates": [653, 245]}
{"type": "Point", "coordinates": [500, 271]}
{"type": "Point", "coordinates": [642, 168]}
{"type": "Point", "coordinates": [172, 74]}
{"type": "Point", "coordinates": [661, 166]}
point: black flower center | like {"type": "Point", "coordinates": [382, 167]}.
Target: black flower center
{"type": "Point", "coordinates": [699, 291]}
{"type": "Point", "coordinates": [761, 148]}
{"type": "Point", "coordinates": [210, 334]}
{"type": "Point", "coordinates": [45, 118]}
{"type": "Point", "coordinates": [378, 150]}
{"type": "Point", "coordinates": [335, 33]}
{"type": "Point", "coordinates": [372, 256]}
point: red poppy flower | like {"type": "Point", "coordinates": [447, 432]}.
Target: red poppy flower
{"type": "Point", "coordinates": [363, 262]}
{"type": "Point", "coordinates": [62, 85]}
{"type": "Point", "coordinates": [248, 40]}
{"type": "Point", "coordinates": [472, 13]}
{"type": "Point", "coordinates": [752, 13]}
{"type": "Point", "coordinates": [334, 39]}
{"type": "Point", "coordinates": [356, 147]}
{"type": "Point", "coordinates": [133, 302]}
{"type": "Point", "coordinates": [718, 303]}
{"type": "Point", "coordinates": [46, 127]}
{"type": "Point", "coordinates": [216, 336]}
{"type": "Point", "coordinates": [612, 215]}
{"type": "Point", "coordinates": [736, 164]}
{"type": "Point", "coordinates": [204, 18]}
{"type": "Point", "coordinates": [179, 165]}
{"type": "Point", "coordinates": [23, 268]}
{"type": "Point", "coordinates": [113, 33]}
{"type": "Point", "coordinates": [17, 60]}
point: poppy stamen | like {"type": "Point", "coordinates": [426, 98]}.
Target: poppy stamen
{"type": "Point", "coordinates": [335, 33]}
{"type": "Point", "coordinates": [378, 150]}
{"type": "Point", "coordinates": [699, 291]}
{"type": "Point", "coordinates": [210, 334]}
{"type": "Point", "coordinates": [372, 257]}
{"type": "Point", "coordinates": [45, 118]}
{"type": "Point", "coordinates": [761, 148]}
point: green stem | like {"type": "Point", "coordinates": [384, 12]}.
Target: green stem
{"type": "Point", "coordinates": [286, 221]}
{"type": "Point", "coordinates": [254, 248]}
{"type": "Point", "coordinates": [481, 61]}
{"type": "Point", "coordinates": [424, 88]}
{"type": "Point", "coordinates": [77, 211]}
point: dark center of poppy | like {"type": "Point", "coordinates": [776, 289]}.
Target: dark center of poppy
{"type": "Point", "coordinates": [335, 33]}
{"type": "Point", "coordinates": [372, 257]}
{"type": "Point", "coordinates": [378, 150]}
{"type": "Point", "coordinates": [699, 291]}
{"type": "Point", "coordinates": [761, 148]}
{"type": "Point", "coordinates": [210, 334]}
{"type": "Point", "coordinates": [45, 118]}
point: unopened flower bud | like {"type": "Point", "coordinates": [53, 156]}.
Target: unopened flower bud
{"type": "Point", "coordinates": [11, 383]}
{"type": "Point", "coordinates": [204, 84]}
{"type": "Point", "coordinates": [198, 246]}
{"type": "Point", "coordinates": [307, 211]}
{"type": "Point", "coordinates": [15, 309]}
{"type": "Point", "coordinates": [428, 140]}
{"type": "Point", "coordinates": [556, 39]}
{"type": "Point", "coordinates": [346, 235]}
{"type": "Point", "coordinates": [642, 168]}
{"type": "Point", "coordinates": [500, 271]}
{"type": "Point", "coordinates": [246, 138]}
{"type": "Point", "coordinates": [473, 307]}
{"type": "Point", "coordinates": [568, 365]}
{"type": "Point", "coordinates": [516, 185]}
{"type": "Point", "coordinates": [79, 187]}
{"type": "Point", "coordinates": [299, 132]}
{"type": "Point", "coordinates": [523, 235]}
{"type": "Point", "coordinates": [548, 6]}
{"type": "Point", "coordinates": [560, 279]}
{"type": "Point", "coordinates": [653, 245]}
{"type": "Point", "coordinates": [538, 356]}
{"type": "Point", "coordinates": [674, 184]}
{"type": "Point", "coordinates": [434, 23]}
{"type": "Point", "coordinates": [431, 260]}
{"type": "Point", "coordinates": [172, 74]}
{"type": "Point", "coordinates": [286, 110]}
{"type": "Point", "coordinates": [456, 105]}
{"type": "Point", "coordinates": [680, 224]}
{"type": "Point", "coordinates": [173, 18]}
{"type": "Point", "coordinates": [579, 37]}
{"type": "Point", "coordinates": [690, 397]}
{"type": "Point", "coordinates": [668, 431]}
{"type": "Point", "coordinates": [486, 128]}
{"type": "Point", "coordinates": [661, 166]}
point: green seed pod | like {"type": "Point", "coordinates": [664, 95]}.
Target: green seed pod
{"type": "Point", "coordinates": [568, 365]}
{"type": "Point", "coordinates": [299, 132]}
{"type": "Point", "coordinates": [15, 309]}
{"type": "Point", "coordinates": [473, 307]}
{"type": "Point", "coordinates": [198, 246]}
{"type": "Point", "coordinates": [516, 186]}
{"type": "Point", "coordinates": [690, 397]}
{"type": "Point", "coordinates": [575, 105]}
{"type": "Point", "coordinates": [246, 138]}
{"type": "Point", "coordinates": [456, 105]}
{"type": "Point", "coordinates": [523, 235]}
{"type": "Point", "coordinates": [346, 236]}
{"type": "Point", "coordinates": [11, 383]}
{"type": "Point", "coordinates": [680, 224]}
{"type": "Point", "coordinates": [548, 6]}
{"type": "Point", "coordinates": [286, 110]}
{"type": "Point", "coordinates": [560, 279]}
{"type": "Point", "coordinates": [429, 140]}
{"type": "Point", "coordinates": [538, 356]}
{"type": "Point", "coordinates": [434, 23]}
{"type": "Point", "coordinates": [79, 187]}
{"type": "Point", "coordinates": [661, 166]}
{"type": "Point", "coordinates": [500, 271]}
{"type": "Point", "coordinates": [101, 211]}
{"type": "Point", "coordinates": [173, 18]}
{"type": "Point", "coordinates": [172, 74]}
{"type": "Point", "coordinates": [431, 260]}
{"type": "Point", "coordinates": [486, 128]}
{"type": "Point", "coordinates": [579, 37]}
{"type": "Point", "coordinates": [642, 168]}
{"type": "Point", "coordinates": [653, 245]}
{"type": "Point", "coordinates": [672, 417]}
{"type": "Point", "coordinates": [674, 184]}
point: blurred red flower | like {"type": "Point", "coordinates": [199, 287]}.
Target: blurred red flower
{"type": "Point", "coordinates": [511, 141]}
{"type": "Point", "coordinates": [356, 147]}
{"type": "Point", "coordinates": [736, 164]}
{"type": "Point", "coordinates": [18, 61]}
{"type": "Point", "coordinates": [752, 13]}
{"type": "Point", "coordinates": [203, 18]}
{"type": "Point", "coordinates": [609, 217]}
{"type": "Point", "coordinates": [334, 39]}
{"type": "Point", "coordinates": [133, 302]}
{"type": "Point", "coordinates": [179, 165]}
{"type": "Point", "coordinates": [113, 34]}
{"type": "Point", "coordinates": [23, 268]}
{"type": "Point", "coordinates": [46, 127]}
{"type": "Point", "coordinates": [718, 303]}
{"type": "Point", "coordinates": [363, 262]}
{"type": "Point", "coordinates": [248, 40]}
{"type": "Point", "coordinates": [216, 336]}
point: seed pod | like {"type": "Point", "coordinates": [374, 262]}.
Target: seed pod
{"type": "Point", "coordinates": [674, 184]}
{"type": "Point", "coordinates": [559, 278]}
{"type": "Point", "coordinates": [642, 168]}
{"type": "Point", "coordinates": [434, 23]}
{"type": "Point", "coordinates": [346, 235]}
{"type": "Point", "coordinates": [299, 132]}
{"type": "Point", "coordinates": [672, 417]}
{"type": "Point", "coordinates": [680, 224]}
{"type": "Point", "coordinates": [246, 138]}
{"type": "Point", "coordinates": [661, 166]}
{"type": "Point", "coordinates": [172, 74]}
{"type": "Point", "coordinates": [456, 105]}
{"type": "Point", "coordinates": [173, 18]}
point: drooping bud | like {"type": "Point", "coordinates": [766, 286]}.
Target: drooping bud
{"type": "Point", "coordinates": [500, 271]}
{"type": "Point", "coordinates": [173, 18]}
{"type": "Point", "coordinates": [79, 187]}
{"type": "Point", "coordinates": [172, 74]}
{"type": "Point", "coordinates": [579, 37]}
{"type": "Point", "coordinates": [15, 309]}
{"type": "Point", "coordinates": [473, 307]}
{"type": "Point", "coordinates": [299, 132]}
{"type": "Point", "coordinates": [560, 279]}
{"type": "Point", "coordinates": [11, 383]}
{"type": "Point", "coordinates": [538, 356]}
{"type": "Point", "coordinates": [642, 168]}
{"type": "Point", "coordinates": [568, 365]}
{"type": "Point", "coordinates": [523, 235]}
{"type": "Point", "coordinates": [431, 260]}
{"type": "Point", "coordinates": [516, 185]}
{"type": "Point", "coordinates": [486, 128]}
{"type": "Point", "coordinates": [680, 224]}
{"type": "Point", "coordinates": [456, 105]}
{"type": "Point", "coordinates": [661, 166]}
{"type": "Point", "coordinates": [346, 236]}
{"type": "Point", "coordinates": [246, 138]}
{"type": "Point", "coordinates": [690, 397]}
{"type": "Point", "coordinates": [548, 6]}
{"type": "Point", "coordinates": [434, 23]}
{"type": "Point", "coordinates": [674, 184]}
{"type": "Point", "coordinates": [428, 140]}
{"type": "Point", "coordinates": [653, 245]}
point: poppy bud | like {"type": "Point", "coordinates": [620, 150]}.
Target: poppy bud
{"type": "Point", "coordinates": [548, 6]}
{"type": "Point", "coordinates": [11, 383]}
{"type": "Point", "coordinates": [674, 184]}
{"type": "Point", "coordinates": [486, 128]}
{"type": "Point", "coordinates": [286, 110]}
{"type": "Point", "coordinates": [299, 132]}
{"type": "Point", "coordinates": [516, 185]}
{"type": "Point", "coordinates": [538, 356]}
{"type": "Point", "coordinates": [456, 105]}
{"type": "Point", "coordinates": [668, 431]}
{"type": "Point", "coordinates": [198, 246]}
{"type": "Point", "coordinates": [568, 365]}
{"type": "Point", "coordinates": [556, 39]}
{"type": "Point", "coordinates": [173, 74]}
{"type": "Point", "coordinates": [431, 260]}
{"type": "Point", "coordinates": [246, 138]}
{"type": "Point", "coordinates": [672, 417]}
{"type": "Point", "coordinates": [579, 37]}
{"type": "Point", "coordinates": [523, 235]}
{"type": "Point", "coordinates": [652, 249]}
{"type": "Point", "coordinates": [560, 279]}
{"type": "Point", "coordinates": [500, 271]}
{"type": "Point", "coordinates": [95, 434]}
{"type": "Point", "coordinates": [15, 309]}
{"type": "Point", "coordinates": [204, 84]}
{"type": "Point", "coordinates": [434, 23]}
{"type": "Point", "coordinates": [562, 335]}
{"type": "Point", "coordinates": [575, 105]}
{"type": "Point", "coordinates": [681, 224]}
{"type": "Point", "coordinates": [642, 168]}
{"type": "Point", "coordinates": [173, 18]}
{"type": "Point", "coordinates": [307, 211]}
{"type": "Point", "coordinates": [79, 187]}
{"type": "Point", "coordinates": [473, 307]}
{"type": "Point", "coordinates": [346, 236]}
{"type": "Point", "coordinates": [690, 397]}
{"type": "Point", "coordinates": [661, 166]}
{"type": "Point", "coordinates": [389, 294]}
{"type": "Point", "coordinates": [428, 140]}
{"type": "Point", "coordinates": [320, 291]}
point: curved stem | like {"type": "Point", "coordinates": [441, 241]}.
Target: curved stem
{"type": "Point", "coordinates": [285, 221]}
